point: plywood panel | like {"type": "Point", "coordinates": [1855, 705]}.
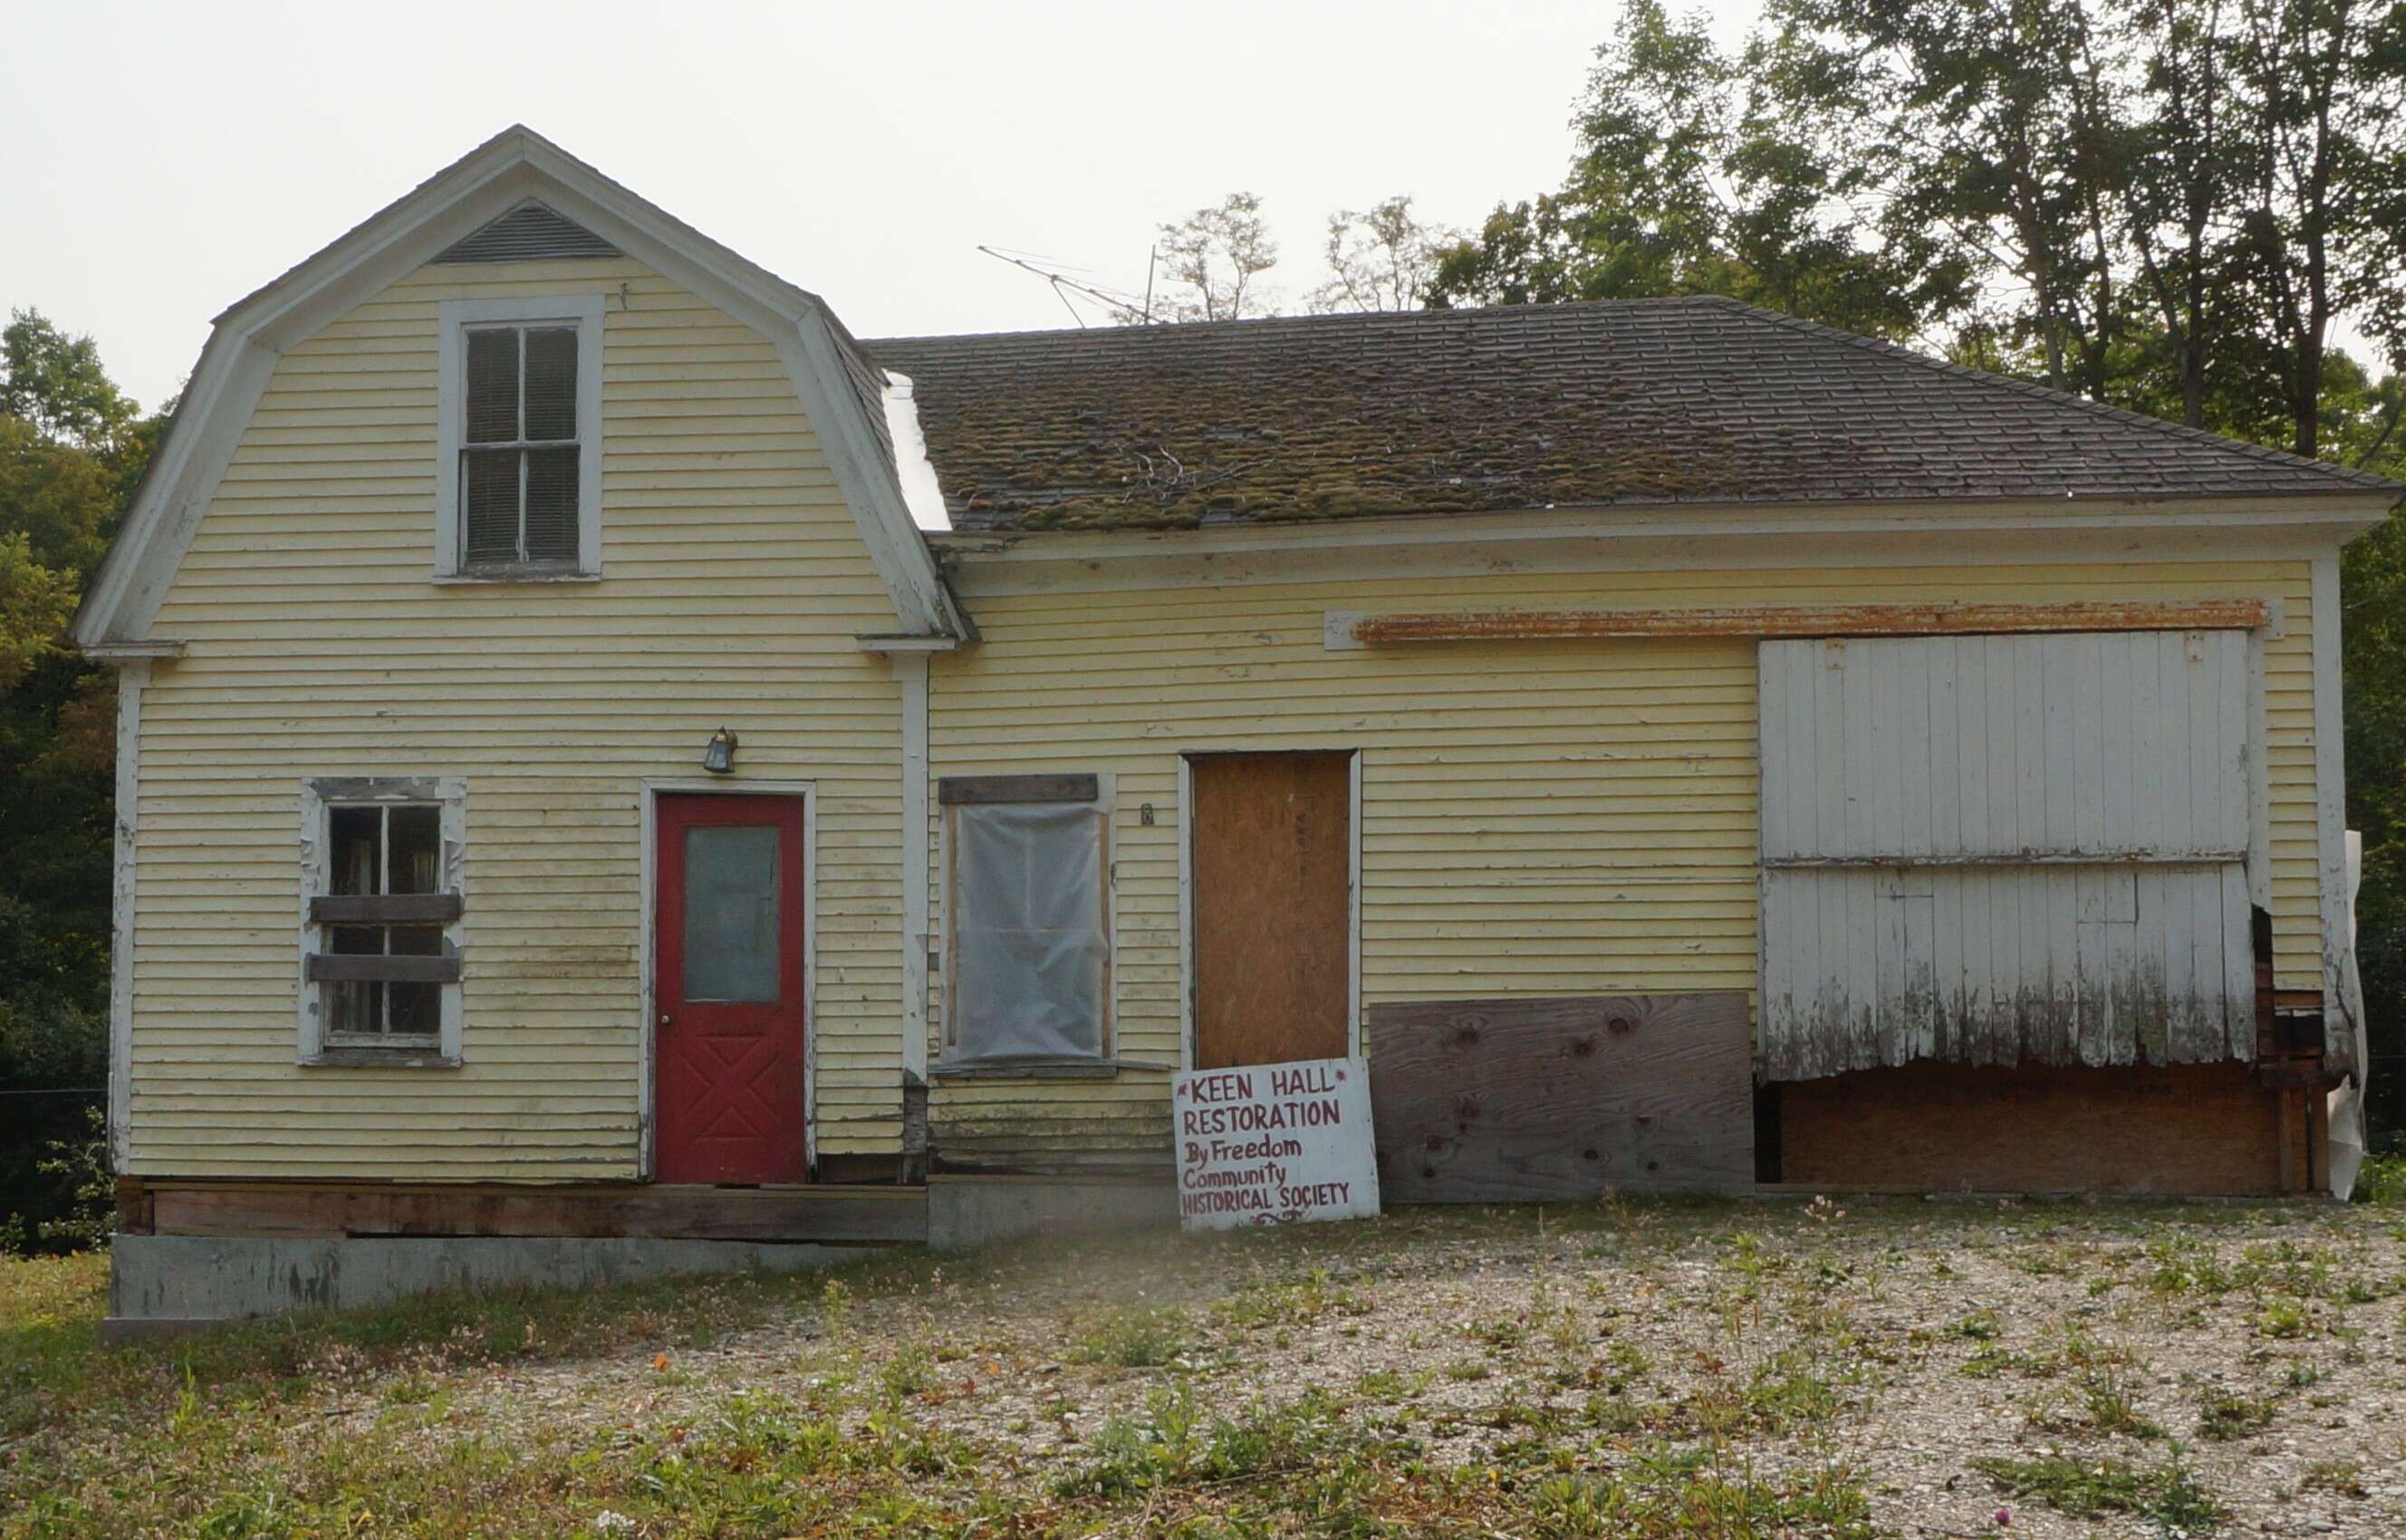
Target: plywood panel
{"type": "Point", "coordinates": [1515, 1100]}
{"type": "Point", "coordinates": [1272, 856]}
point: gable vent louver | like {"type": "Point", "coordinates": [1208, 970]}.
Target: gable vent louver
{"type": "Point", "coordinates": [529, 233]}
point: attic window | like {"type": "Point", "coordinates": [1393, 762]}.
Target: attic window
{"type": "Point", "coordinates": [520, 454]}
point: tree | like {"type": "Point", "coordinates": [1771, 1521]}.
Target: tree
{"type": "Point", "coordinates": [1380, 258]}
{"type": "Point", "coordinates": [72, 448]}
{"type": "Point", "coordinates": [2151, 193]}
{"type": "Point", "coordinates": [1214, 255]}
{"type": "Point", "coordinates": [1691, 179]}
{"type": "Point", "coordinates": [54, 383]}
{"type": "Point", "coordinates": [2325, 148]}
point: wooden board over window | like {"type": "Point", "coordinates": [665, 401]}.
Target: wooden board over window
{"type": "Point", "coordinates": [1273, 903]}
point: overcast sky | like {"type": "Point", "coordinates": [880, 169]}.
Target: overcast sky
{"type": "Point", "coordinates": [165, 159]}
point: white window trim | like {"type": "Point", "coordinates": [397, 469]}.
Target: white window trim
{"type": "Point", "coordinates": [945, 1065]}
{"type": "Point", "coordinates": [451, 791]}
{"type": "Point", "coordinates": [583, 311]}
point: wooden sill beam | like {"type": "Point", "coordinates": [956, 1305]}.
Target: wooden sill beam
{"type": "Point", "coordinates": [385, 908]}
{"type": "Point", "coordinates": [1814, 621]}
{"type": "Point", "coordinates": [375, 969]}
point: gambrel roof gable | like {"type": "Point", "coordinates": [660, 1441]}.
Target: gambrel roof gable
{"type": "Point", "coordinates": [515, 169]}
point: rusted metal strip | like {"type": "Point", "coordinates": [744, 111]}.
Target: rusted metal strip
{"type": "Point", "coordinates": [1810, 620]}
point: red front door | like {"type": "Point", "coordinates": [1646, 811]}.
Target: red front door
{"type": "Point", "coordinates": [728, 996]}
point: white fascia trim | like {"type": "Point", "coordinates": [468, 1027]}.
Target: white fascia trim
{"type": "Point", "coordinates": [872, 643]}
{"type": "Point", "coordinates": [514, 166]}
{"type": "Point", "coordinates": [451, 417]}
{"type": "Point", "coordinates": [2351, 512]}
{"type": "Point", "coordinates": [125, 593]}
{"type": "Point", "coordinates": [911, 672]}
{"type": "Point", "coordinates": [134, 652]}
{"type": "Point", "coordinates": [895, 545]}
{"type": "Point", "coordinates": [1480, 544]}
{"type": "Point", "coordinates": [130, 681]}
{"type": "Point", "coordinates": [2330, 817]}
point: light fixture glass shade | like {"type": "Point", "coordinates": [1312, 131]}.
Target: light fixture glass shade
{"type": "Point", "coordinates": [719, 755]}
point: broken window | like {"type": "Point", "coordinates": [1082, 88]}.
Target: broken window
{"type": "Point", "coordinates": [1030, 911]}
{"type": "Point", "coordinates": [381, 949]}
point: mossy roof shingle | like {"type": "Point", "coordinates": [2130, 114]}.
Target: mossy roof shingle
{"type": "Point", "coordinates": [1597, 403]}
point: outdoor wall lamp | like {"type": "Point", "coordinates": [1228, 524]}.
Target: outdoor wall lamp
{"type": "Point", "coordinates": [719, 755]}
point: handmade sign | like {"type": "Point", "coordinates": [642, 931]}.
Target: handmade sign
{"type": "Point", "coordinates": [1274, 1144]}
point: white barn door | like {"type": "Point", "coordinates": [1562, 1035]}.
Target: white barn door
{"type": "Point", "coordinates": [1993, 849]}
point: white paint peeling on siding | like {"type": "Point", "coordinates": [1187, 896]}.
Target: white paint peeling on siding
{"type": "Point", "coordinates": [1997, 849]}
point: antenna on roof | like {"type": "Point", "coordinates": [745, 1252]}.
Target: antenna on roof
{"type": "Point", "coordinates": [1125, 308]}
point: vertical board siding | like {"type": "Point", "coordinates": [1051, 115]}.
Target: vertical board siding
{"type": "Point", "coordinates": [1990, 747]}
{"type": "Point", "coordinates": [1539, 818]}
{"type": "Point", "coordinates": [1865, 967]}
{"type": "Point", "coordinates": [734, 583]}
{"type": "Point", "coordinates": [1980, 757]}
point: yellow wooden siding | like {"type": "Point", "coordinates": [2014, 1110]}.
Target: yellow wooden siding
{"type": "Point", "coordinates": [734, 584]}
{"type": "Point", "coordinates": [1538, 818]}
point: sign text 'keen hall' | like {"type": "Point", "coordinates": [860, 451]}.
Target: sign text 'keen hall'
{"type": "Point", "coordinates": [1275, 1143]}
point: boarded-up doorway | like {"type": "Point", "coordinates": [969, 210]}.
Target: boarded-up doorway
{"type": "Point", "coordinates": [1271, 859]}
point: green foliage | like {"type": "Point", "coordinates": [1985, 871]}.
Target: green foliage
{"type": "Point", "coordinates": [1689, 182]}
{"type": "Point", "coordinates": [2086, 1488]}
{"type": "Point", "coordinates": [2226, 1415]}
{"type": "Point", "coordinates": [1135, 1336]}
{"type": "Point", "coordinates": [72, 449]}
{"type": "Point", "coordinates": [55, 383]}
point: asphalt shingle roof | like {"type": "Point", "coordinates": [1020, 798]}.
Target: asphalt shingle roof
{"type": "Point", "coordinates": [1597, 403]}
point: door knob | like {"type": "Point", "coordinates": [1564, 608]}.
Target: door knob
{"type": "Point", "coordinates": [665, 1017]}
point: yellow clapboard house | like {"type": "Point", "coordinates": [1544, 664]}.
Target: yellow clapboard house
{"type": "Point", "coordinates": [616, 773]}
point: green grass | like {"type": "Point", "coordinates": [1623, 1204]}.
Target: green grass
{"type": "Point", "coordinates": [2090, 1489]}
{"type": "Point", "coordinates": [1137, 1336]}
{"type": "Point", "coordinates": [2382, 1179]}
{"type": "Point", "coordinates": [2225, 1415]}
{"type": "Point", "coordinates": [1631, 1368]}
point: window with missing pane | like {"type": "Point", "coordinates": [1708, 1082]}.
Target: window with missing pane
{"type": "Point", "coordinates": [383, 851]}
{"type": "Point", "coordinates": [521, 454]}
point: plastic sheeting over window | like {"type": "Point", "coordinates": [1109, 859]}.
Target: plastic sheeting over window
{"type": "Point", "coordinates": [1031, 948]}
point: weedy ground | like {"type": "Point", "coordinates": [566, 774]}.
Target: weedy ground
{"type": "Point", "coordinates": [1627, 1369]}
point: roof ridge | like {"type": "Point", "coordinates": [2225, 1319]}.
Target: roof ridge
{"type": "Point", "coordinates": [2368, 479]}
{"type": "Point", "coordinates": [1308, 318]}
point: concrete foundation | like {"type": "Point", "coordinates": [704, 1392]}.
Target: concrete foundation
{"type": "Point", "coordinates": [160, 1285]}
{"type": "Point", "coordinates": [964, 1212]}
